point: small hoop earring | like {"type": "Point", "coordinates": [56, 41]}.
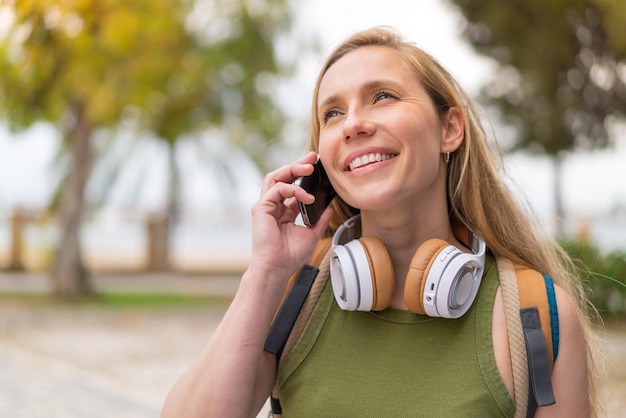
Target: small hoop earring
{"type": "Point", "coordinates": [447, 158]}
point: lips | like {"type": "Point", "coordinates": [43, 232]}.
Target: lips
{"type": "Point", "coordinates": [369, 158]}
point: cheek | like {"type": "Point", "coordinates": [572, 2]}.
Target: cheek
{"type": "Point", "coordinates": [425, 138]}
{"type": "Point", "coordinates": [327, 149]}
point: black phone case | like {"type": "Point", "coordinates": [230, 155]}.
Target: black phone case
{"type": "Point", "coordinates": [319, 186]}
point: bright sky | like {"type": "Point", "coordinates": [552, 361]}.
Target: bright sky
{"type": "Point", "coordinates": [592, 182]}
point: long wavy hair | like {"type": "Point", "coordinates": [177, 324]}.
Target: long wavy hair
{"type": "Point", "coordinates": [477, 196]}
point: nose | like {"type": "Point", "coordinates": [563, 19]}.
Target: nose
{"type": "Point", "coordinates": [357, 125]}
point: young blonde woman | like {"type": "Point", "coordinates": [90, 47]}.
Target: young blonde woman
{"type": "Point", "coordinates": [403, 147]}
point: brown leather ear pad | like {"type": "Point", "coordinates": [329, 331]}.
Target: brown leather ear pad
{"type": "Point", "coordinates": [418, 271]}
{"type": "Point", "coordinates": [383, 282]}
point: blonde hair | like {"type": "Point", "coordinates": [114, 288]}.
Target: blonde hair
{"type": "Point", "coordinates": [477, 197]}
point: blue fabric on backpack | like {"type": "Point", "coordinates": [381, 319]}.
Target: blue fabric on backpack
{"type": "Point", "coordinates": [554, 315]}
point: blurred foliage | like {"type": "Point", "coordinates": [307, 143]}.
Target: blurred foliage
{"type": "Point", "coordinates": [153, 60]}
{"type": "Point", "coordinates": [604, 276]}
{"type": "Point", "coordinates": [170, 66]}
{"type": "Point", "coordinates": [562, 67]}
{"type": "Point", "coordinates": [561, 76]}
{"type": "Point", "coordinates": [135, 300]}
{"type": "Point", "coordinates": [99, 53]}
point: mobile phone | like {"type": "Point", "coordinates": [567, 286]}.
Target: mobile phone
{"type": "Point", "coordinates": [319, 186]}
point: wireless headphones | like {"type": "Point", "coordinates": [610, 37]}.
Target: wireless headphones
{"type": "Point", "coordinates": [442, 280]}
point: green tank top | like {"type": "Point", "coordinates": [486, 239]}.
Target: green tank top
{"type": "Point", "coordinates": [395, 363]}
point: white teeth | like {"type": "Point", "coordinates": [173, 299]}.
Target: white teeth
{"type": "Point", "coordinates": [369, 158]}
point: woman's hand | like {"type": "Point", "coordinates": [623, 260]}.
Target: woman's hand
{"type": "Point", "coordinates": [233, 376]}
{"type": "Point", "coordinates": [278, 244]}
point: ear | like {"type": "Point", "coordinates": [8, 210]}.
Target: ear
{"type": "Point", "coordinates": [453, 130]}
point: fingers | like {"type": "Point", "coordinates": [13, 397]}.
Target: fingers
{"type": "Point", "coordinates": [279, 194]}
{"type": "Point", "coordinates": [277, 239]}
{"type": "Point", "coordinates": [289, 173]}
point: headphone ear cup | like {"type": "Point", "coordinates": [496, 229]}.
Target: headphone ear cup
{"type": "Point", "coordinates": [362, 275]}
{"type": "Point", "coordinates": [418, 271]}
{"type": "Point", "coordinates": [381, 268]}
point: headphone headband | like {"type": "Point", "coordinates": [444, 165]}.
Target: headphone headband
{"type": "Point", "coordinates": [348, 231]}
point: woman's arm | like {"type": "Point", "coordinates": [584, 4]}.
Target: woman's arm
{"type": "Point", "coordinates": [233, 376]}
{"type": "Point", "coordinates": [570, 373]}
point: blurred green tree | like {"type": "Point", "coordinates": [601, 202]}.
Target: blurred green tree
{"type": "Point", "coordinates": [172, 66]}
{"type": "Point", "coordinates": [561, 79]}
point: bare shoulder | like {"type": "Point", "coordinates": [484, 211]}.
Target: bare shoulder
{"type": "Point", "coordinates": [572, 342]}
{"type": "Point", "coordinates": [570, 374]}
{"type": "Point", "coordinates": [569, 318]}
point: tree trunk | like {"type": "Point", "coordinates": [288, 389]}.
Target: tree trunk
{"type": "Point", "coordinates": [18, 224]}
{"type": "Point", "coordinates": [157, 227]}
{"type": "Point", "coordinates": [559, 210]}
{"type": "Point", "coordinates": [173, 194]}
{"type": "Point", "coordinates": [160, 227]}
{"type": "Point", "coordinates": [69, 275]}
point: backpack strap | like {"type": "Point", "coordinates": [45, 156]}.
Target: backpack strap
{"type": "Point", "coordinates": [532, 323]}
{"type": "Point", "coordinates": [538, 290]}
{"type": "Point", "coordinates": [510, 295]}
{"type": "Point", "coordinates": [298, 288]}
{"type": "Point", "coordinates": [315, 260]}
{"type": "Point", "coordinates": [538, 313]}
{"type": "Point", "coordinates": [289, 310]}
{"type": "Point", "coordinates": [300, 298]}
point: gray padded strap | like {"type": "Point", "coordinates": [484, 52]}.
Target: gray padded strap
{"type": "Point", "coordinates": [288, 313]}
{"type": "Point", "coordinates": [540, 384]}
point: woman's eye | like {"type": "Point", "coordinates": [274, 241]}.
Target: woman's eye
{"type": "Point", "coordinates": [330, 114]}
{"type": "Point", "coordinates": [382, 95]}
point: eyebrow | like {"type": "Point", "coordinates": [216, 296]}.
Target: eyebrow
{"type": "Point", "coordinates": [369, 86]}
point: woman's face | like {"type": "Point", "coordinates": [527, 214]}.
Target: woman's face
{"type": "Point", "coordinates": [381, 139]}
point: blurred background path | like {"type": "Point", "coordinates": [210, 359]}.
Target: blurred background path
{"type": "Point", "coordinates": [90, 360]}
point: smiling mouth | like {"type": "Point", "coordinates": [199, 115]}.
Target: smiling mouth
{"type": "Point", "coordinates": [368, 159]}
